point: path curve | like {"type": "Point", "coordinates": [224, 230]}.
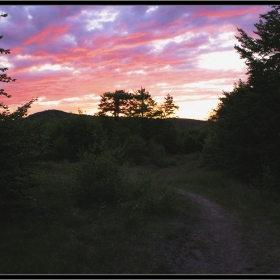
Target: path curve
{"type": "Point", "coordinates": [214, 246]}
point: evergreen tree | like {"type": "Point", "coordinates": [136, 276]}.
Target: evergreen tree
{"type": "Point", "coordinates": [142, 105]}
{"type": "Point", "coordinates": [114, 103]}
{"type": "Point", "coordinates": [262, 55]}
{"type": "Point", "coordinates": [244, 138]}
{"type": "Point", "coordinates": [139, 105]}
{"type": "Point", "coordinates": [168, 107]}
{"type": "Point", "coordinates": [153, 110]}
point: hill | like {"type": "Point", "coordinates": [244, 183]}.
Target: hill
{"type": "Point", "coordinates": [187, 123]}
{"type": "Point", "coordinates": [50, 114]}
{"type": "Point", "coordinates": [179, 123]}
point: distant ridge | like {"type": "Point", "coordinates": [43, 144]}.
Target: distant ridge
{"type": "Point", "coordinates": [179, 123]}
{"type": "Point", "coordinates": [49, 113]}
{"type": "Point", "coordinates": [187, 123]}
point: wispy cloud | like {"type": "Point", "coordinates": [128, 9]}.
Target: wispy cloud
{"type": "Point", "coordinates": [65, 54]}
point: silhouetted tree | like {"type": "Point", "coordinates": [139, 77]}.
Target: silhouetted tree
{"type": "Point", "coordinates": [262, 55]}
{"type": "Point", "coordinates": [244, 138]}
{"type": "Point", "coordinates": [115, 103]}
{"type": "Point", "coordinates": [154, 111]}
{"type": "Point", "coordinates": [15, 149]}
{"type": "Point", "coordinates": [143, 105]}
{"type": "Point", "coordinates": [138, 104]}
{"type": "Point", "coordinates": [21, 111]}
{"type": "Point", "coordinates": [168, 107]}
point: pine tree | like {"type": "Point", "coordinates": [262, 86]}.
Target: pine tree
{"type": "Point", "coordinates": [244, 138]}
{"type": "Point", "coordinates": [168, 107]}
{"type": "Point", "coordinates": [262, 55]}
{"type": "Point", "coordinates": [115, 103]}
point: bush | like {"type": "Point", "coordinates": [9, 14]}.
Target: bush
{"type": "Point", "coordinates": [157, 154]}
{"type": "Point", "coordinates": [99, 178]}
{"type": "Point", "coordinates": [192, 140]}
{"type": "Point", "coordinates": [16, 161]}
{"type": "Point", "coordinates": [66, 138]}
{"type": "Point", "coordinates": [160, 201]}
{"type": "Point", "coordinates": [161, 131]}
{"type": "Point", "coordinates": [136, 149]}
{"type": "Point", "coordinates": [133, 202]}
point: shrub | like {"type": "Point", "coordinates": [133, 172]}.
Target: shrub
{"type": "Point", "coordinates": [136, 149]}
{"type": "Point", "coordinates": [144, 199]}
{"type": "Point", "coordinates": [99, 178]}
{"type": "Point", "coordinates": [161, 131]}
{"type": "Point", "coordinates": [161, 201]}
{"type": "Point", "coordinates": [66, 138]}
{"type": "Point", "coordinates": [192, 140]}
{"type": "Point", "coordinates": [16, 161]}
{"type": "Point", "coordinates": [157, 154]}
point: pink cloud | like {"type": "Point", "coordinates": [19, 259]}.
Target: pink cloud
{"type": "Point", "coordinates": [209, 12]}
{"type": "Point", "coordinates": [132, 50]}
{"type": "Point", "coordinates": [49, 34]}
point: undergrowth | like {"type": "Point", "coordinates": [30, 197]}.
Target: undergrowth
{"type": "Point", "coordinates": [64, 234]}
{"type": "Point", "coordinates": [258, 207]}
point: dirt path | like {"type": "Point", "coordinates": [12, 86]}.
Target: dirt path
{"type": "Point", "coordinates": [214, 246]}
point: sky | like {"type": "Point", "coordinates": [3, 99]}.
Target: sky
{"type": "Point", "coordinates": [68, 55]}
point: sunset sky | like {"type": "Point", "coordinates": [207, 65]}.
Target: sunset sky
{"type": "Point", "coordinates": [68, 55]}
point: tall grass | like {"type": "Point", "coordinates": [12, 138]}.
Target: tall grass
{"type": "Point", "coordinates": [252, 203]}
{"type": "Point", "coordinates": [258, 208]}
{"type": "Point", "coordinates": [59, 236]}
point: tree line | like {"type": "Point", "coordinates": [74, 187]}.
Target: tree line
{"type": "Point", "coordinates": [137, 104]}
{"type": "Point", "coordinates": [244, 133]}
{"type": "Point", "coordinates": [15, 148]}
{"type": "Point", "coordinates": [145, 136]}
{"type": "Point", "coordinates": [242, 137]}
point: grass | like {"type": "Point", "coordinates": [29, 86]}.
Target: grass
{"type": "Point", "coordinates": [59, 237]}
{"type": "Point", "coordinates": [259, 209]}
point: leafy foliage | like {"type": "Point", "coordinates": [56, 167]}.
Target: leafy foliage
{"type": "Point", "coordinates": [16, 151]}
{"type": "Point", "coordinates": [157, 154]}
{"type": "Point", "coordinates": [142, 105]}
{"type": "Point", "coordinates": [21, 111]}
{"type": "Point", "coordinates": [193, 139]}
{"type": "Point", "coordinates": [115, 103]}
{"type": "Point", "coordinates": [137, 104]}
{"type": "Point", "coordinates": [136, 150]}
{"type": "Point", "coordinates": [67, 138]}
{"type": "Point", "coordinates": [99, 178]}
{"type": "Point", "coordinates": [262, 55]}
{"type": "Point", "coordinates": [244, 138]}
{"type": "Point", "coordinates": [103, 182]}
{"type": "Point", "coordinates": [168, 107]}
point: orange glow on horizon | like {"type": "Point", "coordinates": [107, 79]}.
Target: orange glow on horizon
{"type": "Point", "coordinates": [68, 56]}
